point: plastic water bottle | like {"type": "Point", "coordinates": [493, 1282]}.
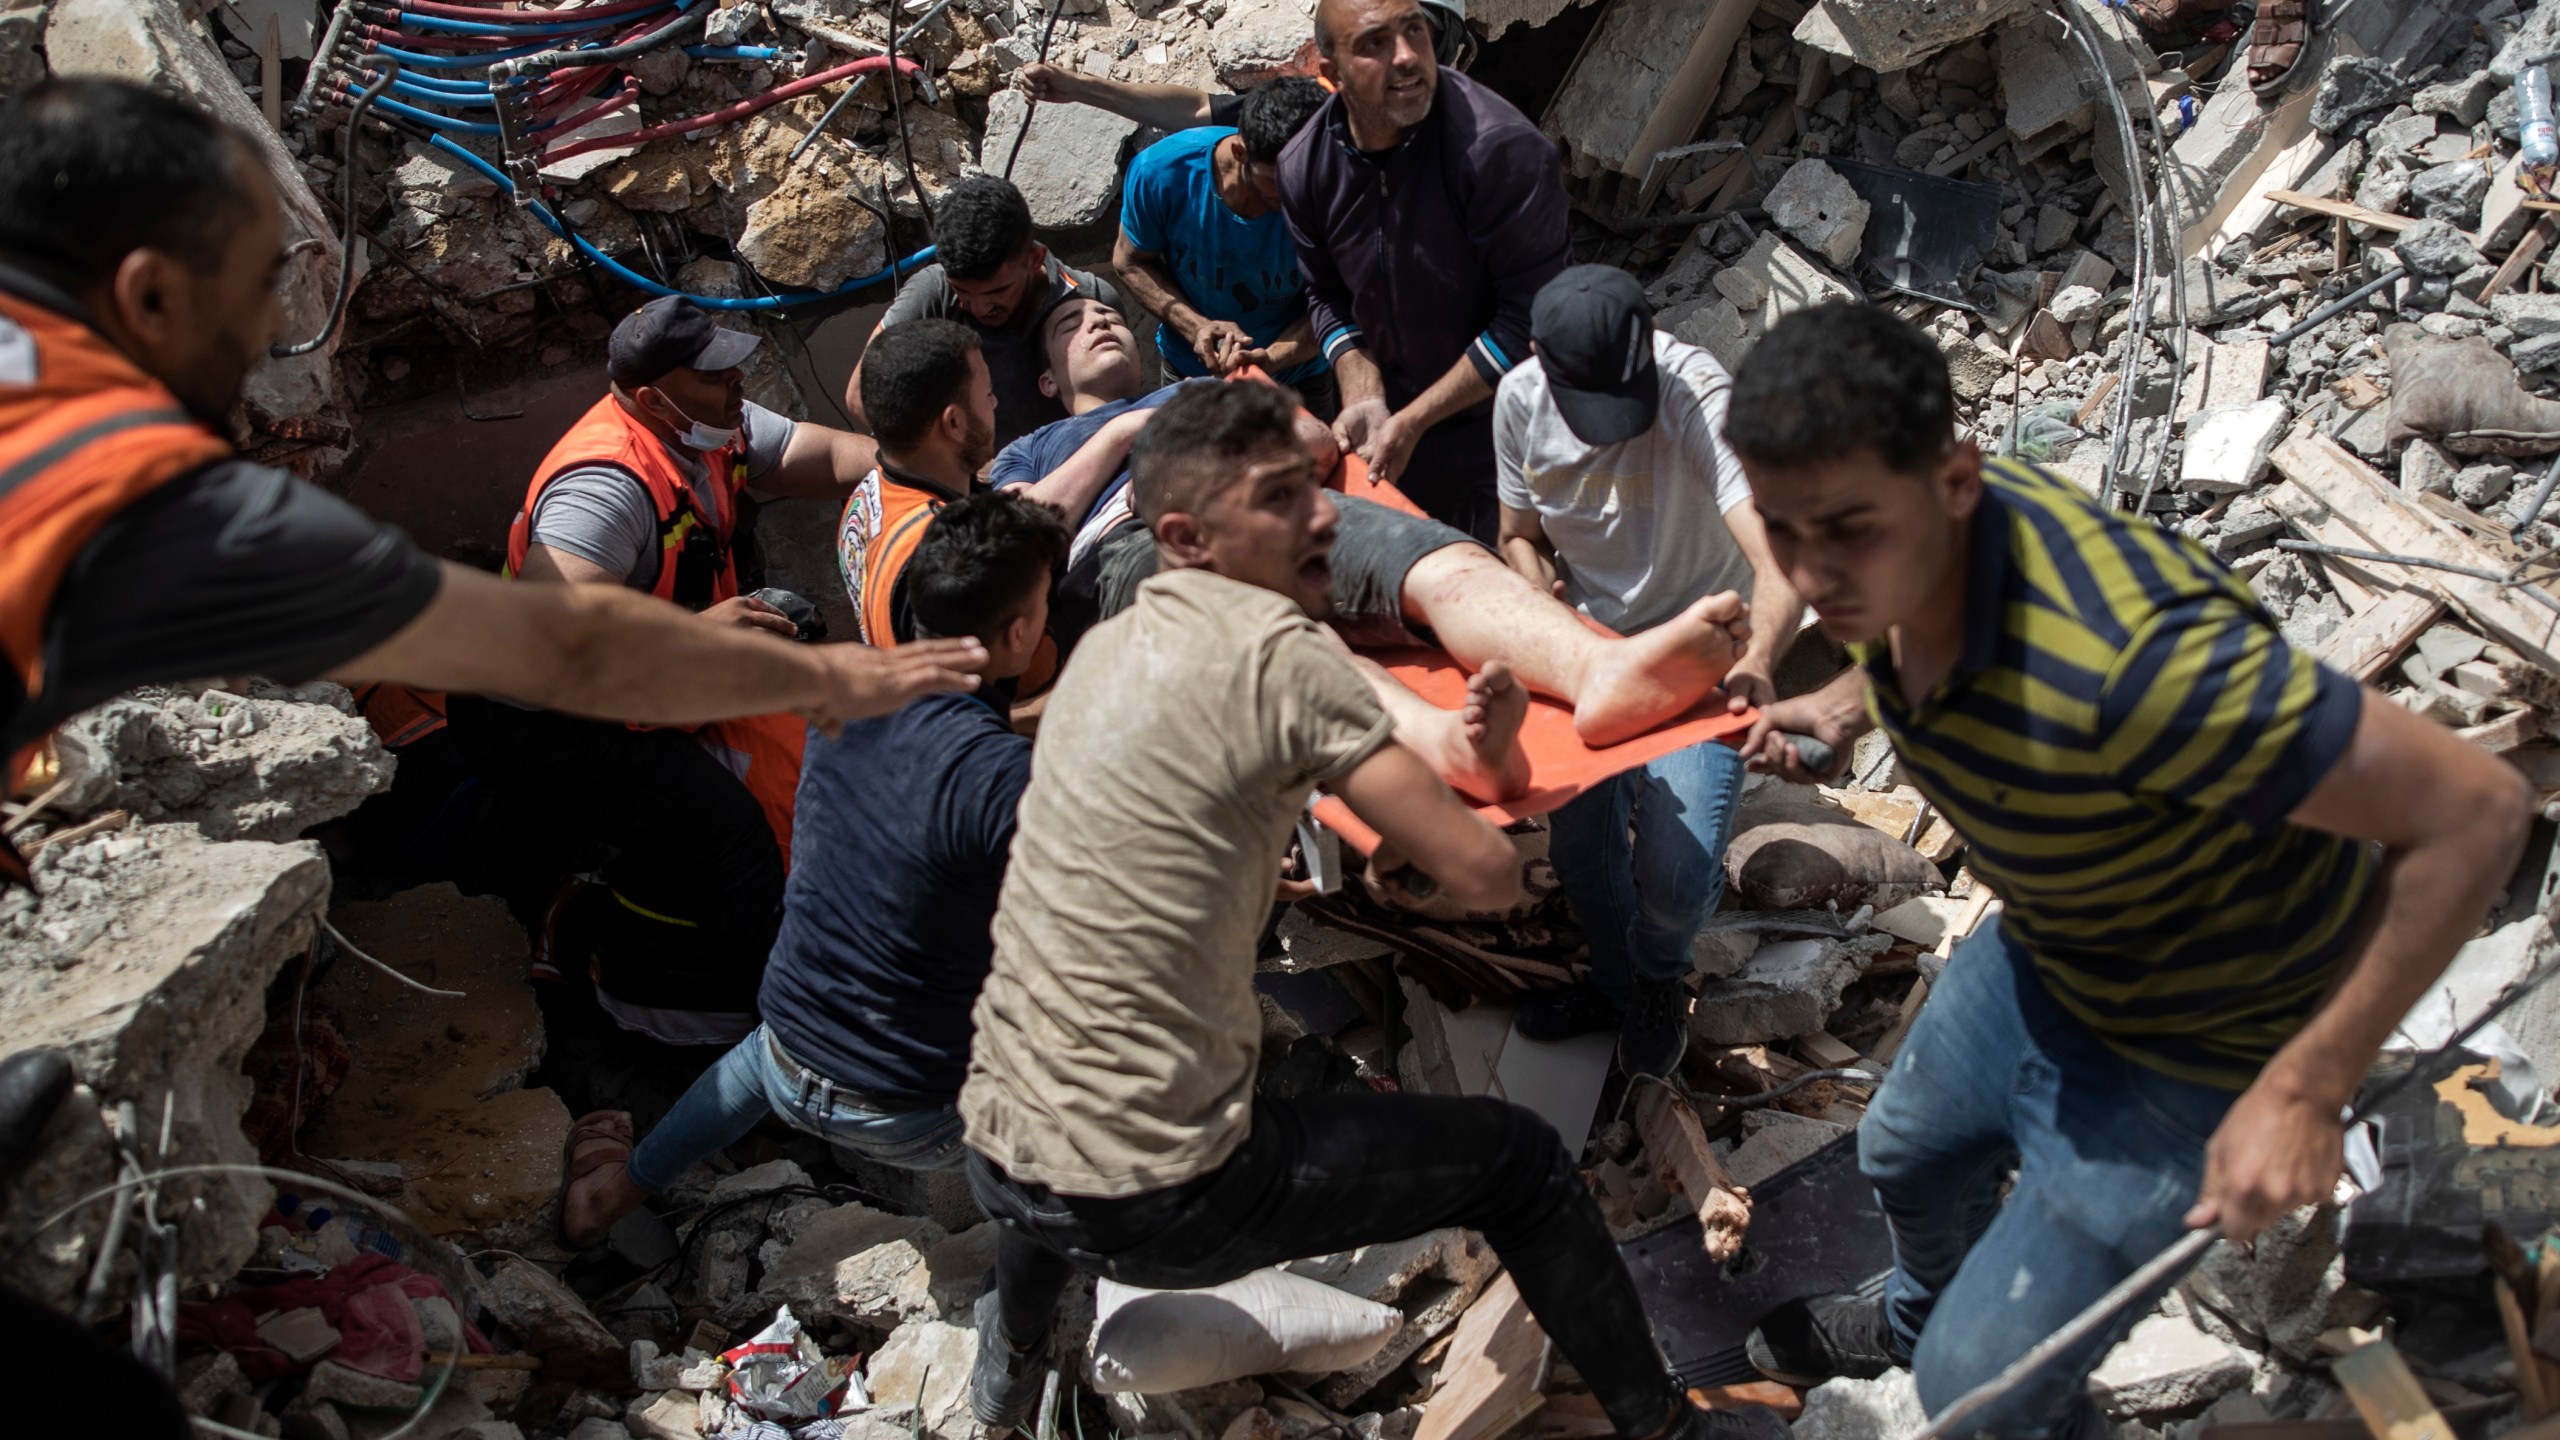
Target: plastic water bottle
{"type": "Point", "coordinates": [2533, 123]}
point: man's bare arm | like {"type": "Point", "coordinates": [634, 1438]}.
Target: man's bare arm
{"type": "Point", "coordinates": [1526, 549]}
{"type": "Point", "coordinates": [1836, 715]}
{"type": "Point", "coordinates": [1391, 441]}
{"type": "Point", "coordinates": [1073, 485]}
{"type": "Point", "coordinates": [1143, 275]}
{"type": "Point", "coordinates": [2451, 819]}
{"type": "Point", "coordinates": [1776, 613]}
{"type": "Point", "coordinates": [853, 382]}
{"type": "Point", "coordinates": [821, 461]}
{"type": "Point", "coordinates": [614, 654]}
{"type": "Point", "coordinates": [1422, 822]}
{"type": "Point", "coordinates": [1165, 107]}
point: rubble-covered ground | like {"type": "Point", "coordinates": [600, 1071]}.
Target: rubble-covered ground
{"type": "Point", "coordinates": [2124, 275]}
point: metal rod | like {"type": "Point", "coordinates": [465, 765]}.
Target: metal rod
{"type": "Point", "coordinates": [323, 58]}
{"type": "Point", "coordinates": [2508, 580]}
{"type": "Point", "coordinates": [1030, 105]}
{"type": "Point", "coordinates": [2337, 307]}
{"type": "Point", "coordinates": [2541, 497]}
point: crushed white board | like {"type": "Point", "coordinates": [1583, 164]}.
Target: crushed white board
{"type": "Point", "coordinates": [621, 120]}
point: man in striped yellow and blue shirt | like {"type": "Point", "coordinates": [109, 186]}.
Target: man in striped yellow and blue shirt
{"type": "Point", "coordinates": [2226, 871]}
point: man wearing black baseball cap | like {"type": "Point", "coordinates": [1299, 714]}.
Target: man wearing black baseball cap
{"type": "Point", "coordinates": [643, 493]}
{"type": "Point", "coordinates": [1618, 490]}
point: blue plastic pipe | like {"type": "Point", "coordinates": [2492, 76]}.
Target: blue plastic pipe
{"type": "Point", "coordinates": [438, 25]}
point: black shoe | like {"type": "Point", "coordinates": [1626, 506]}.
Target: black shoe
{"type": "Point", "coordinates": [1004, 1384]}
{"type": "Point", "coordinates": [1656, 1031]}
{"type": "Point", "coordinates": [1554, 1015]}
{"type": "Point", "coordinates": [1805, 1342]}
{"type": "Point", "coordinates": [1749, 1422]}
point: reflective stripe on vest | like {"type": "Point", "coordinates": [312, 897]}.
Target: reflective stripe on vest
{"type": "Point", "coordinates": [609, 436]}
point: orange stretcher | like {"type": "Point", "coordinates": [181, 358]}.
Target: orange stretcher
{"type": "Point", "coordinates": [1561, 766]}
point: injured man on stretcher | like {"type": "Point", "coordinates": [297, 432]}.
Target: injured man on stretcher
{"type": "Point", "coordinates": [1398, 579]}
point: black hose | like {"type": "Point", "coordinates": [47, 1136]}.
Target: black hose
{"type": "Point", "coordinates": [898, 113]}
{"type": "Point", "coordinates": [1031, 106]}
{"type": "Point", "coordinates": [347, 214]}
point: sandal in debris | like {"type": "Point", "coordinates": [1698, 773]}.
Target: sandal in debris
{"type": "Point", "coordinates": [2277, 42]}
{"type": "Point", "coordinates": [2178, 24]}
{"type": "Point", "coordinates": [598, 1139]}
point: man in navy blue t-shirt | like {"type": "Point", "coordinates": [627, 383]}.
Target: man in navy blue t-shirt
{"type": "Point", "coordinates": [1202, 244]}
{"type": "Point", "coordinates": [899, 843]}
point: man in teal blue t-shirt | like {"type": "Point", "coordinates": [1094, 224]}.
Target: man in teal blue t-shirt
{"type": "Point", "coordinates": [1203, 245]}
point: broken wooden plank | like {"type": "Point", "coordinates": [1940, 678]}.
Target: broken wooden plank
{"type": "Point", "coordinates": [271, 73]}
{"type": "Point", "coordinates": [1828, 1051]}
{"type": "Point", "coordinates": [1777, 130]}
{"type": "Point", "coordinates": [2377, 511]}
{"type": "Point", "coordinates": [1769, 1394]}
{"type": "Point", "coordinates": [2344, 210]}
{"type": "Point", "coordinates": [2393, 1404]}
{"type": "Point", "coordinates": [2528, 250]}
{"type": "Point", "coordinates": [2375, 637]}
{"type": "Point", "coordinates": [1889, 1044]}
{"type": "Point", "coordinates": [1496, 1366]}
{"type": "Point", "coordinates": [1677, 1145]}
{"type": "Point", "coordinates": [2510, 731]}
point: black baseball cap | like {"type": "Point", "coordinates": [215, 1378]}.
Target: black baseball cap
{"type": "Point", "coordinates": [671, 333]}
{"type": "Point", "coordinates": [1594, 330]}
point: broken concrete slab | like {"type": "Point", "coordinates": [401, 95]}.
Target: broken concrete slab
{"type": "Point", "coordinates": [925, 1368]}
{"type": "Point", "coordinates": [2481, 971]}
{"type": "Point", "coordinates": [1786, 989]}
{"type": "Point", "coordinates": [2227, 449]}
{"type": "Point", "coordinates": [1887, 35]}
{"type": "Point", "coordinates": [2435, 247]}
{"type": "Point", "coordinates": [2288, 1288]}
{"type": "Point", "coordinates": [1795, 850]}
{"type": "Point", "coordinates": [266, 764]}
{"type": "Point", "coordinates": [859, 1264]}
{"type": "Point", "coordinates": [1068, 166]}
{"type": "Point", "coordinates": [1815, 204]}
{"type": "Point", "coordinates": [2352, 86]}
{"type": "Point", "coordinates": [148, 959]}
{"type": "Point", "coordinates": [1772, 1140]}
{"type": "Point", "coordinates": [804, 234]}
{"type": "Point", "coordinates": [2167, 1364]}
{"type": "Point", "coordinates": [548, 1319]}
{"type": "Point", "coordinates": [1643, 81]}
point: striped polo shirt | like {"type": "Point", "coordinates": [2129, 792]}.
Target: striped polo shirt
{"type": "Point", "coordinates": [2120, 744]}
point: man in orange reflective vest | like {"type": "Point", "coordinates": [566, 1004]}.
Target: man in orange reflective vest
{"type": "Point", "coordinates": [643, 493]}
{"type": "Point", "coordinates": [140, 242]}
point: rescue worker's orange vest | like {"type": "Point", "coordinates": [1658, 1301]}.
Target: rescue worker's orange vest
{"type": "Point", "coordinates": [694, 566]}
{"type": "Point", "coordinates": [84, 432]}
{"type": "Point", "coordinates": [876, 535]}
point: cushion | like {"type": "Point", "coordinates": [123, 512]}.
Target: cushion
{"type": "Point", "coordinates": [1158, 1341]}
{"type": "Point", "coordinates": [1793, 850]}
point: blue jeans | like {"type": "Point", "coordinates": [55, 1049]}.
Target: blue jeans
{"type": "Point", "coordinates": [2108, 1156]}
{"type": "Point", "coordinates": [1641, 858]}
{"type": "Point", "coordinates": [748, 1084]}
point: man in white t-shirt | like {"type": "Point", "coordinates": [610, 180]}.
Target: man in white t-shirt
{"type": "Point", "coordinates": [1617, 489]}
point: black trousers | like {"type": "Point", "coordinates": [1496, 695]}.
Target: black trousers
{"type": "Point", "coordinates": [1333, 1172]}
{"type": "Point", "coordinates": [690, 844]}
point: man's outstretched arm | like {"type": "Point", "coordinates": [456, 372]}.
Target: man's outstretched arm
{"type": "Point", "coordinates": [1422, 822]}
{"type": "Point", "coordinates": [613, 654]}
{"type": "Point", "coordinates": [2451, 819]}
{"type": "Point", "coordinates": [1163, 107]}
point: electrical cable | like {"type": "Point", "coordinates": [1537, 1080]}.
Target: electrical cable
{"type": "Point", "coordinates": [557, 226]}
{"type": "Point", "coordinates": [347, 220]}
{"type": "Point", "coordinates": [612, 10]}
{"type": "Point", "coordinates": [898, 115]}
{"type": "Point", "coordinates": [897, 42]}
{"type": "Point", "coordinates": [696, 13]}
{"type": "Point", "coordinates": [1031, 104]}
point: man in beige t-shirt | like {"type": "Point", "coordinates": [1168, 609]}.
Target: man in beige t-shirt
{"type": "Point", "coordinates": [1110, 1107]}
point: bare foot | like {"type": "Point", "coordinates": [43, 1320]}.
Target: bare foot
{"type": "Point", "coordinates": [1635, 684]}
{"type": "Point", "coordinates": [1476, 748]}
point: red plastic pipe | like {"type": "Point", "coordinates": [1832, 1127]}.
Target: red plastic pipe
{"type": "Point", "coordinates": [489, 12]}
{"type": "Point", "coordinates": [738, 111]}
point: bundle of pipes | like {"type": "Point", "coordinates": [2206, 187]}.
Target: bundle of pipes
{"type": "Point", "coordinates": [538, 72]}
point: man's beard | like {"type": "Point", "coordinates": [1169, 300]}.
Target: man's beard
{"type": "Point", "coordinates": [979, 445]}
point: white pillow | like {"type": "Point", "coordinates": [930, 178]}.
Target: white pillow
{"type": "Point", "coordinates": [1159, 1341]}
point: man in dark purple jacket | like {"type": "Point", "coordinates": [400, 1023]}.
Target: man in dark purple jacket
{"type": "Point", "coordinates": [1427, 212]}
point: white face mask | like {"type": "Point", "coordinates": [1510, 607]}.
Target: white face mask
{"type": "Point", "coordinates": [698, 436]}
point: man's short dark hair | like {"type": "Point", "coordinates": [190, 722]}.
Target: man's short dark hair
{"type": "Point", "coordinates": [913, 371]}
{"type": "Point", "coordinates": [1191, 449]}
{"type": "Point", "coordinates": [93, 170]}
{"type": "Point", "coordinates": [1835, 379]}
{"type": "Point", "coordinates": [1272, 114]}
{"type": "Point", "coordinates": [980, 560]}
{"type": "Point", "coordinates": [978, 225]}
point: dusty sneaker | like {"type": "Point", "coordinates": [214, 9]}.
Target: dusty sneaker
{"type": "Point", "coordinates": [1805, 1342]}
{"type": "Point", "coordinates": [1749, 1422]}
{"type": "Point", "coordinates": [1004, 1384]}
{"type": "Point", "coordinates": [1563, 1014]}
{"type": "Point", "coordinates": [1655, 1033]}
